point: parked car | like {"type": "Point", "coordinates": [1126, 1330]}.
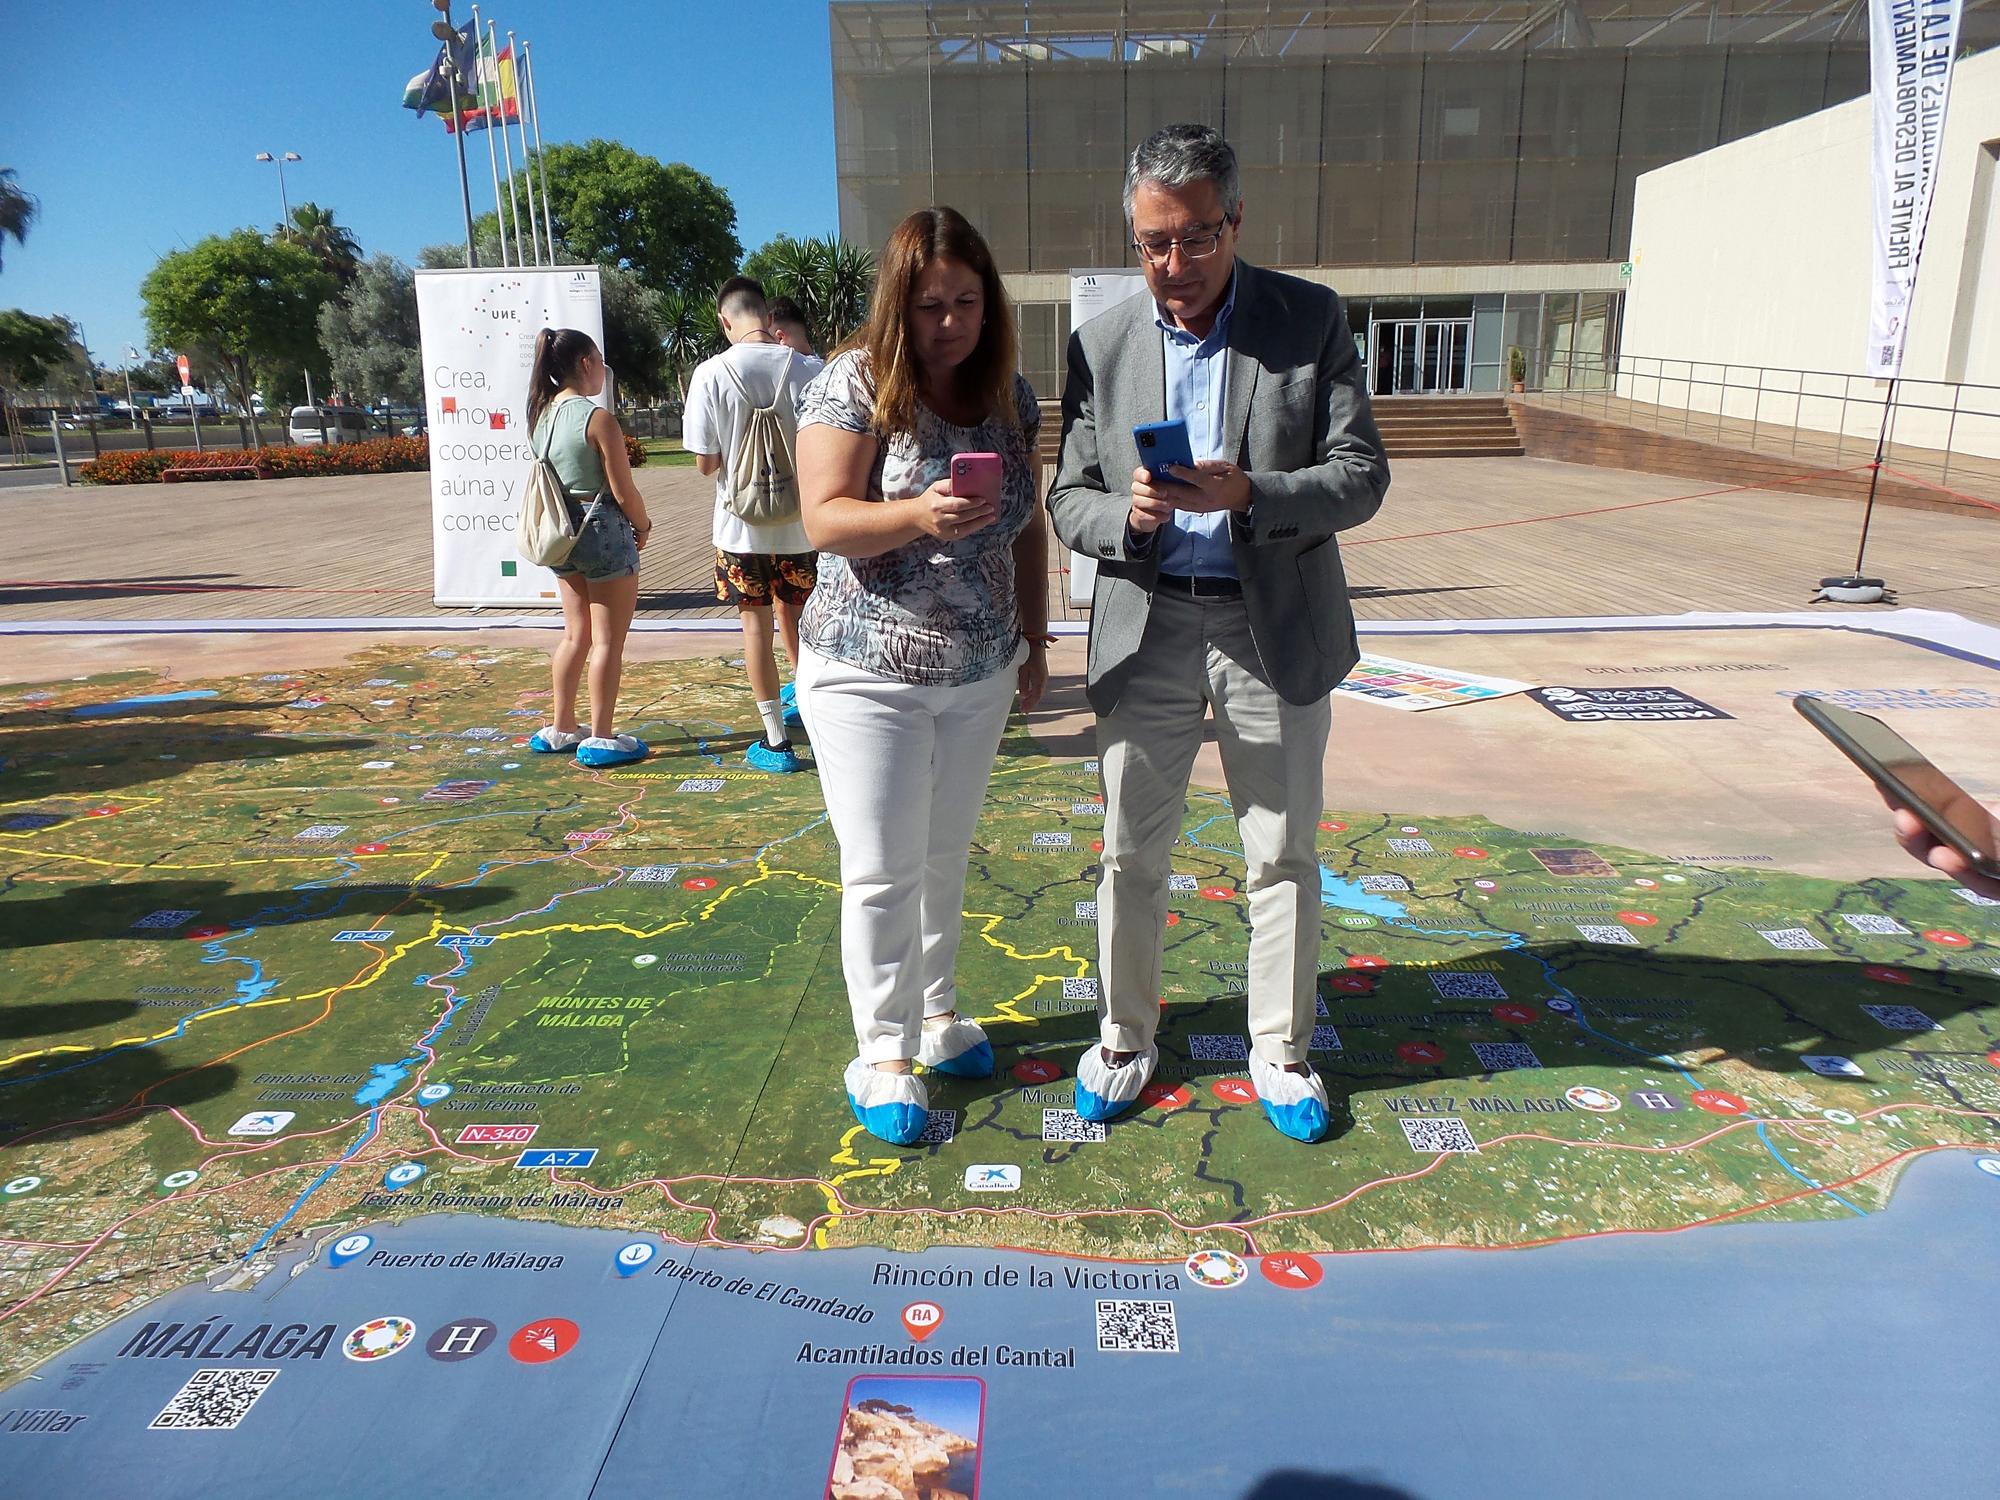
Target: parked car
{"type": "Point", "coordinates": [332, 424]}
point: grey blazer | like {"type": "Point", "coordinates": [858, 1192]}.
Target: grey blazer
{"type": "Point", "coordinates": [1298, 422]}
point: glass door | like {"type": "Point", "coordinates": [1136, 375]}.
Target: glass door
{"type": "Point", "coordinates": [1421, 356]}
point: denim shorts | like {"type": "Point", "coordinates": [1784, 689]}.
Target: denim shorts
{"type": "Point", "coordinates": [606, 546]}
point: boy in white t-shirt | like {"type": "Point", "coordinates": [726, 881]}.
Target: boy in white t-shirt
{"type": "Point", "coordinates": [762, 570]}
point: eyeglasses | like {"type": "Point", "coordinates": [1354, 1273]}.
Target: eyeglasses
{"type": "Point", "coordinates": [1156, 252]}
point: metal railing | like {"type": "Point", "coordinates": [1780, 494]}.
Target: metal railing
{"type": "Point", "coordinates": [1937, 429]}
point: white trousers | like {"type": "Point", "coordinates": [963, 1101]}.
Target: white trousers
{"type": "Point", "coordinates": [903, 769]}
{"type": "Point", "coordinates": [1193, 656]}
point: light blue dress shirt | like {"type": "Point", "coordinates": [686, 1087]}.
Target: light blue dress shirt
{"type": "Point", "coordinates": [1195, 543]}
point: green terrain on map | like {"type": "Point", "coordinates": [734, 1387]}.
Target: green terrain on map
{"type": "Point", "coordinates": [318, 892]}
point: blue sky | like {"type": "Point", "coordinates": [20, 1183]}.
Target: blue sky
{"type": "Point", "coordinates": [137, 125]}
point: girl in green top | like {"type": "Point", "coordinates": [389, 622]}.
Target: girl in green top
{"type": "Point", "coordinates": [600, 579]}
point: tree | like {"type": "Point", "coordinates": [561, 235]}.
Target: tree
{"type": "Point", "coordinates": [370, 333]}
{"type": "Point", "coordinates": [828, 278]}
{"type": "Point", "coordinates": [634, 332]}
{"type": "Point", "coordinates": [670, 225]}
{"type": "Point", "coordinates": [17, 209]}
{"type": "Point", "coordinates": [254, 301]}
{"type": "Point", "coordinates": [30, 348]}
{"type": "Point", "coordinates": [313, 230]}
{"type": "Point", "coordinates": [689, 332]}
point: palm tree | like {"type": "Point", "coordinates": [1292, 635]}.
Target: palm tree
{"type": "Point", "coordinates": [313, 229]}
{"type": "Point", "coordinates": [850, 278]}
{"type": "Point", "coordinates": [688, 332]}
{"type": "Point", "coordinates": [17, 209]}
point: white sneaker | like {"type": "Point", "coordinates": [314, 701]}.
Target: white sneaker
{"type": "Point", "coordinates": [1295, 1104]}
{"type": "Point", "coordinates": [1103, 1091]}
{"type": "Point", "coordinates": [894, 1107]}
{"type": "Point", "coordinates": [951, 1044]}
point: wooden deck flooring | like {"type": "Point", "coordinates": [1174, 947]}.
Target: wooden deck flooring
{"type": "Point", "coordinates": [1457, 539]}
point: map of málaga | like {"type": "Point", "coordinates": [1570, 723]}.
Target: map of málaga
{"type": "Point", "coordinates": [332, 948]}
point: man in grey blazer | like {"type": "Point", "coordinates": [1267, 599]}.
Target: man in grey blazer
{"type": "Point", "coordinates": [1218, 587]}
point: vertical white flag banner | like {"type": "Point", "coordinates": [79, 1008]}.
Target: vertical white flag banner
{"type": "Point", "coordinates": [1911, 44]}
{"type": "Point", "coordinates": [1090, 293]}
{"type": "Point", "coordinates": [478, 330]}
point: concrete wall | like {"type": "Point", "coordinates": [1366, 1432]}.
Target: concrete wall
{"type": "Point", "coordinates": [1755, 258]}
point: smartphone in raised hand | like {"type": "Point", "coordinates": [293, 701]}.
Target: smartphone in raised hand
{"type": "Point", "coordinates": [1161, 445]}
{"type": "Point", "coordinates": [1944, 807]}
{"type": "Point", "coordinates": [976, 476]}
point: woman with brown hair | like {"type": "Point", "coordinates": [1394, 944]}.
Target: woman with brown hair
{"type": "Point", "coordinates": [930, 618]}
{"type": "Point", "coordinates": [600, 578]}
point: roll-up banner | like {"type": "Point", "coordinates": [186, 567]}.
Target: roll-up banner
{"type": "Point", "coordinates": [478, 329]}
{"type": "Point", "coordinates": [1911, 44]}
{"type": "Point", "coordinates": [1090, 293]}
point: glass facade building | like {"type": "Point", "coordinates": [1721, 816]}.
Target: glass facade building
{"type": "Point", "coordinates": [1405, 137]}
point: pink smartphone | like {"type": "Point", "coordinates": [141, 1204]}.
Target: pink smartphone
{"type": "Point", "coordinates": [976, 475]}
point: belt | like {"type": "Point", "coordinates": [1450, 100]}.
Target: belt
{"type": "Point", "coordinates": [1200, 586]}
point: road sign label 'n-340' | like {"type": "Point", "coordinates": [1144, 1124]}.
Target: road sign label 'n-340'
{"type": "Point", "coordinates": [547, 1156]}
{"type": "Point", "coordinates": [497, 1135]}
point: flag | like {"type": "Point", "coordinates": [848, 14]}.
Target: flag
{"type": "Point", "coordinates": [497, 97]}
{"type": "Point", "coordinates": [430, 90]}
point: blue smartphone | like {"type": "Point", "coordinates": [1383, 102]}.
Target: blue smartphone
{"type": "Point", "coordinates": [1161, 444]}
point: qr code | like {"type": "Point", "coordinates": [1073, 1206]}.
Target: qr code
{"type": "Point", "coordinates": [1079, 989]}
{"type": "Point", "coordinates": [1411, 846]}
{"type": "Point", "coordinates": [1973, 898]}
{"type": "Point", "coordinates": [322, 831]}
{"type": "Point", "coordinates": [1468, 986]}
{"type": "Point", "coordinates": [1210, 1047]}
{"type": "Point", "coordinates": [1504, 1057]}
{"type": "Point", "coordinates": [1325, 1039]}
{"type": "Point", "coordinates": [1086, 809]}
{"type": "Point", "coordinates": [1792, 939]}
{"type": "Point", "coordinates": [479, 734]}
{"type": "Point", "coordinates": [1446, 1133]}
{"type": "Point", "coordinates": [1067, 1125]}
{"type": "Point", "coordinates": [1086, 911]}
{"type": "Point", "coordinates": [1050, 841]}
{"type": "Point", "coordinates": [1605, 932]}
{"type": "Point", "coordinates": [161, 920]}
{"type": "Point", "coordinates": [1384, 883]}
{"type": "Point", "coordinates": [1183, 883]}
{"type": "Point", "coordinates": [1319, 1006]}
{"type": "Point", "coordinates": [1902, 1018]}
{"type": "Point", "coordinates": [652, 874]}
{"type": "Point", "coordinates": [939, 1128]}
{"type": "Point", "coordinates": [214, 1400]}
{"type": "Point", "coordinates": [1137, 1327]}
{"type": "Point", "coordinates": [702, 784]}
{"type": "Point", "coordinates": [1868, 921]}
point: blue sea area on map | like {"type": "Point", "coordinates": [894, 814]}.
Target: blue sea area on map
{"type": "Point", "coordinates": [1833, 1359]}
{"type": "Point", "coordinates": [1345, 894]}
{"type": "Point", "coordinates": [126, 705]}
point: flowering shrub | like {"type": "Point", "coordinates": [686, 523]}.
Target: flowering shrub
{"type": "Point", "coordinates": [397, 455]}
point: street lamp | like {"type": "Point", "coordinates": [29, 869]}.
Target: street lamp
{"type": "Point", "coordinates": [283, 197]}
{"type": "Point", "coordinates": [130, 410]}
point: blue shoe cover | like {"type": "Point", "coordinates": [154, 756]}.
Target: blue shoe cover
{"type": "Point", "coordinates": [549, 740]}
{"type": "Point", "coordinates": [779, 762]}
{"type": "Point", "coordinates": [892, 1107]}
{"type": "Point", "coordinates": [1104, 1092]}
{"type": "Point", "coordinates": [788, 700]}
{"type": "Point", "coordinates": [618, 750]}
{"type": "Point", "coordinates": [955, 1046]}
{"type": "Point", "coordinates": [1295, 1106]}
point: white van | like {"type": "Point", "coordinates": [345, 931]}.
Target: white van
{"type": "Point", "coordinates": [341, 424]}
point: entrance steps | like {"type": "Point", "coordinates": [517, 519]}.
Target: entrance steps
{"type": "Point", "coordinates": [1446, 427]}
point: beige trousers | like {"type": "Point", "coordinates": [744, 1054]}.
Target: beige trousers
{"type": "Point", "coordinates": [1196, 656]}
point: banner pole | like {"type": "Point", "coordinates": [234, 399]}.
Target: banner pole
{"type": "Point", "coordinates": [506, 146]}
{"type": "Point", "coordinates": [541, 157]}
{"type": "Point", "coordinates": [521, 124]}
{"type": "Point", "coordinates": [464, 185]}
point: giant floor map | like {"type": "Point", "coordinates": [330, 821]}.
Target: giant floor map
{"type": "Point", "coordinates": [320, 983]}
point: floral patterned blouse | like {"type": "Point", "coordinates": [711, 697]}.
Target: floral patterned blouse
{"type": "Point", "coordinates": [930, 612]}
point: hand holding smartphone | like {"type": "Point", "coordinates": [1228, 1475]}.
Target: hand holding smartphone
{"type": "Point", "coordinates": [1163, 445]}
{"type": "Point", "coordinates": [1949, 814]}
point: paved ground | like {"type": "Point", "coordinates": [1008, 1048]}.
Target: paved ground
{"type": "Point", "coordinates": [1458, 539]}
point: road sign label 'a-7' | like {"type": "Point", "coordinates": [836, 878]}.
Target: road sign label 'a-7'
{"type": "Point", "coordinates": [547, 1156]}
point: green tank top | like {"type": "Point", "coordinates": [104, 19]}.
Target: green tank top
{"type": "Point", "coordinates": [559, 435]}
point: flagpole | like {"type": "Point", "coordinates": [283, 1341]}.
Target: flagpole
{"type": "Point", "coordinates": [506, 146]}
{"type": "Point", "coordinates": [492, 157]}
{"type": "Point", "coordinates": [464, 183]}
{"type": "Point", "coordinates": [541, 157]}
{"type": "Point", "coordinates": [522, 125]}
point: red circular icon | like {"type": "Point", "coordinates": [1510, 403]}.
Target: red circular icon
{"type": "Point", "coordinates": [1513, 1015]}
{"type": "Point", "coordinates": [1470, 853]}
{"type": "Point", "coordinates": [1160, 1094]}
{"type": "Point", "coordinates": [699, 883]}
{"type": "Point", "coordinates": [543, 1340]}
{"type": "Point", "coordinates": [1218, 893]}
{"type": "Point", "coordinates": [1944, 937]}
{"type": "Point", "coordinates": [1173, 919]}
{"type": "Point", "coordinates": [1333, 826]}
{"type": "Point", "coordinates": [1036, 1070]}
{"type": "Point", "coordinates": [1353, 984]}
{"type": "Point", "coordinates": [1366, 961]}
{"type": "Point", "coordinates": [1097, 846]}
{"type": "Point", "coordinates": [1993, 1057]}
{"type": "Point", "coordinates": [1420, 1052]}
{"type": "Point", "coordinates": [1886, 975]}
{"type": "Point", "coordinates": [1718, 1103]}
{"type": "Point", "coordinates": [103, 812]}
{"type": "Point", "coordinates": [371, 848]}
{"type": "Point", "coordinates": [1295, 1271]}
{"type": "Point", "coordinates": [1234, 1091]}
{"type": "Point", "coordinates": [1646, 885]}
{"type": "Point", "coordinates": [204, 934]}
{"type": "Point", "coordinates": [1638, 919]}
